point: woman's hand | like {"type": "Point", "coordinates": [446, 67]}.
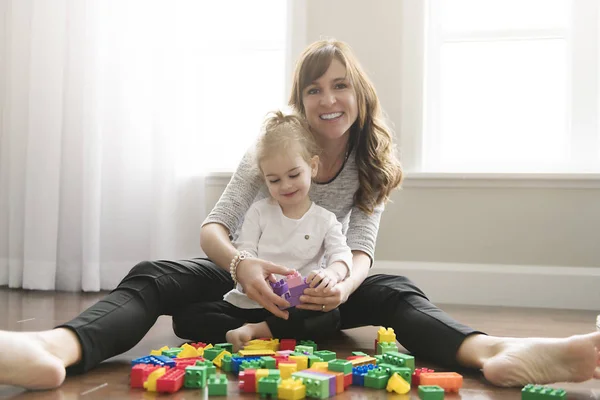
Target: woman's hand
{"type": "Point", "coordinates": [313, 299]}
{"type": "Point", "coordinates": [252, 274]}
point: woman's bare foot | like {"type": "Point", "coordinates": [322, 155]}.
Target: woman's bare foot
{"type": "Point", "coordinates": [25, 361]}
{"type": "Point", "coordinates": [241, 336]}
{"type": "Point", "coordinates": [542, 361]}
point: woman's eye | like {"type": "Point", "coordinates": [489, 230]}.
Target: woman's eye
{"type": "Point", "coordinates": [312, 91]}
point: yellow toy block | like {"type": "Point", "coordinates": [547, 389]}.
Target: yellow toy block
{"type": "Point", "coordinates": [291, 389]}
{"type": "Point", "coordinates": [159, 351]}
{"type": "Point", "coordinates": [150, 384]}
{"type": "Point", "coordinates": [357, 362]}
{"type": "Point", "coordinates": [301, 361]}
{"type": "Point", "coordinates": [386, 335]}
{"type": "Point", "coordinates": [287, 369]}
{"type": "Point", "coordinates": [398, 384]}
{"type": "Point", "coordinates": [259, 352]}
{"type": "Point", "coordinates": [320, 366]}
{"type": "Point", "coordinates": [218, 361]}
{"type": "Point", "coordinates": [261, 373]}
{"type": "Point", "coordinates": [188, 351]}
{"type": "Point", "coordinates": [258, 344]}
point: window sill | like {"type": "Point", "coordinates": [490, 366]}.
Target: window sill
{"type": "Point", "coordinates": [472, 180]}
{"type": "Point", "coordinates": [502, 180]}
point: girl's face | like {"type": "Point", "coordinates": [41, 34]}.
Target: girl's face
{"type": "Point", "coordinates": [330, 103]}
{"type": "Point", "coordinates": [288, 176]}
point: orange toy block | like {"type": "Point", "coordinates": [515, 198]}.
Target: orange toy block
{"type": "Point", "coordinates": [449, 381]}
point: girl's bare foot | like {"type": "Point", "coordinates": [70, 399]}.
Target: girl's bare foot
{"type": "Point", "coordinates": [542, 361]}
{"type": "Point", "coordinates": [241, 336]}
{"type": "Point", "coordinates": [25, 361]}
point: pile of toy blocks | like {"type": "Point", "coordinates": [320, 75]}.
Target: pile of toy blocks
{"type": "Point", "coordinates": [293, 370]}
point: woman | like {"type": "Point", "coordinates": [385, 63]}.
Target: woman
{"type": "Point", "coordinates": [357, 172]}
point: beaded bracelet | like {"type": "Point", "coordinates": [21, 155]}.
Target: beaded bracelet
{"type": "Point", "coordinates": [237, 259]}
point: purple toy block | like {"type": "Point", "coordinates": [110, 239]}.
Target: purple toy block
{"type": "Point", "coordinates": [279, 288]}
{"type": "Point", "coordinates": [297, 291]}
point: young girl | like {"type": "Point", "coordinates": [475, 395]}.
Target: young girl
{"type": "Point", "coordinates": [286, 228]}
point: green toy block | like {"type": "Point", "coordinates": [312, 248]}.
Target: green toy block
{"type": "Point", "coordinates": [195, 377]}
{"type": "Point", "coordinates": [431, 392]}
{"type": "Point", "coordinates": [313, 359]}
{"type": "Point", "coordinates": [172, 352]}
{"type": "Point", "coordinates": [400, 359]}
{"type": "Point", "coordinates": [251, 364]}
{"type": "Point", "coordinates": [224, 346]}
{"type": "Point", "coordinates": [359, 353]}
{"type": "Point", "coordinates": [316, 386]}
{"type": "Point", "coordinates": [211, 353]}
{"type": "Point", "coordinates": [304, 350]}
{"type": "Point", "coordinates": [226, 363]}
{"type": "Point", "coordinates": [210, 367]}
{"type": "Point", "coordinates": [269, 362]}
{"type": "Point", "coordinates": [538, 392]}
{"type": "Point", "coordinates": [338, 365]}
{"type": "Point", "coordinates": [267, 386]}
{"type": "Point", "coordinates": [379, 358]}
{"type": "Point", "coordinates": [386, 347]}
{"type": "Point", "coordinates": [326, 355]}
{"type": "Point", "coordinates": [217, 385]}
{"type": "Point", "coordinates": [376, 378]}
{"type": "Point", "coordinates": [274, 373]}
{"type": "Point", "coordinates": [309, 343]}
{"type": "Point", "coordinates": [390, 369]}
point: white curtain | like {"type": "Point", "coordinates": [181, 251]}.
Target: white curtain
{"type": "Point", "coordinates": [101, 140]}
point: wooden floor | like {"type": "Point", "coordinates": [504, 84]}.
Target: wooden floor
{"type": "Point", "coordinates": [27, 310]}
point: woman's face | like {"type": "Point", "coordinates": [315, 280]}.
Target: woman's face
{"type": "Point", "coordinates": [330, 103]}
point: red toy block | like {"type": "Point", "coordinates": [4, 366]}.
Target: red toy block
{"type": "Point", "coordinates": [279, 359]}
{"type": "Point", "coordinates": [247, 381]}
{"type": "Point", "coordinates": [181, 363]}
{"type": "Point", "coordinates": [287, 344]}
{"type": "Point", "coordinates": [350, 358]}
{"type": "Point", "coordinates": [198, 344]}
{"type": "Point", "coordinates": [139, 374]}
{"type": "Point", "coordinates": [375, 346]}
{"type": "Point", "coordinates": [171, 382]}
{"type": "Point", "coordinates": [416, 376]}
{"type": "Point", "coordinates": [347, 380]}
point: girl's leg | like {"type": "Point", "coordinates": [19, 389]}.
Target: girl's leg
{"type": "Point", "coordinates": [117, 322]}
{"type": "Point", "coordinates": [428, 332]}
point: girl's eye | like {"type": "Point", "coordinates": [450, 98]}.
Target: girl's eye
{"type": "Point", "coordinates": [341, 86]}
{"type": "Point", "coordinates": [295, 176]}
{"type": "Point", "coordinates": [274, 181]}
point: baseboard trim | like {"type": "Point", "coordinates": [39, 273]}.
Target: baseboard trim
{"type": "Point", "coordinates": [502, 285]}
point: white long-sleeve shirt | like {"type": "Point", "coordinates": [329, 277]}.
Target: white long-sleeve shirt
{"type": "Point", "coordinates": [311, 242]}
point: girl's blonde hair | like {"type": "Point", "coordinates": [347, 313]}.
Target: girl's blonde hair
{"type": "Point", "coordinates": [379, 171]}
{"type": "Point", "coordinates": [282, 132]}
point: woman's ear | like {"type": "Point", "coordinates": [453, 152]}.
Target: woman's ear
{"type": "Point", "coordinates": [314, 166]}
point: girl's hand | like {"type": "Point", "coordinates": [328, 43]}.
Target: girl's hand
{"type": "Point", "coordinates": [322, 280]}
{"type": "Point", "coordinates": [252, 274]}
{"type": "Point", "coordinates": [312, 299]}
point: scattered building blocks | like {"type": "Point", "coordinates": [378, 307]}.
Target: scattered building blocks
{"type": "Point", "coordinates": [247, 381]}
{"type": "Point", "coordinates": [287, 344]}
{"type": "Point", "coordinates": [159, 351]}
{"type": "Point", "coordinates": [217, 385]}
{"type": "Point", "coordinates": [376, 378]}
{"type": "Point", "coordinates": [211, 354]}
{"type": "Point", "coordinates": [338, 365]}
{"type": "Point", "coordinates": [225, 346]}
{"type": "Point", "coordinates": [385, 347]}
{"type": "Point", "coordinates": [150, 384]}
{"type": "Point", "coordinates": [218, 360]}
{"type": "Point", "coordinates": [139, 374]}
{"type": "Point", "coordinates": [325, 355]}
{"type": "Point", "coordinates": [287, 369]}
{"type": "Point", "coordinates": [431, 392]}
{"type": "Point", "coordinates": [538, 392]}
{"type": "Point", "coordinates": [301, 361]}
{"type": "Point", "coordinates": [397, 384]}
{"type": "Point", "coordinates": [308, 350]}
{"type": "Point", "coordinates": [316, 386]}
{"type": "Point", "coordinates": [256, 353]}
{"type": "Point", "coordinates": [309, 343]}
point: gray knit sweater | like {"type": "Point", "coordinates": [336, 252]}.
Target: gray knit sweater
{"type": "Point", "coordinates": [247, 186]}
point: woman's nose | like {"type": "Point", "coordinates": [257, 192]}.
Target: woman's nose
{"type": "Point", "coordinates": [327, 99]}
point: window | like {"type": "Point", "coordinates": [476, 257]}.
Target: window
{"type": "Point", "coordinates": [511, 86]}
